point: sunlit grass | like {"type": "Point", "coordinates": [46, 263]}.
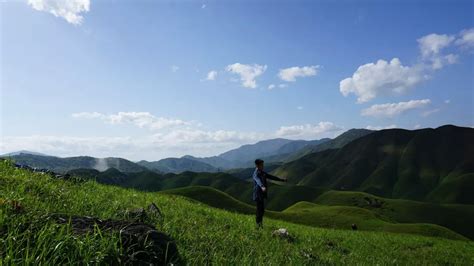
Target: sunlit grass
{"type": "Point", "coordinates": [203, 234]}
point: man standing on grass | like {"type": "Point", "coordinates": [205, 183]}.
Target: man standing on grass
{"type": "Point", "coordinates": [260, 189]}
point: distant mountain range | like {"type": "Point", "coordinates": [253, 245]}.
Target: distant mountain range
{"type": "Point", "coordinates": [178, 165]}
{"type": "Point", "coordinates": [22, 152]}
{"type": "Point", "coordinates": [428, 164]}
{"type": "Point", "coordinates": [272, 151]}
{"type": "Point", "coordinates": [63, 165]}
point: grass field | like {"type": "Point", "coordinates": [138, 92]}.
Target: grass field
{"type": "Point", "coordinates": [338, 217]}
{"type": "Point", "coordinates": [204, 235]}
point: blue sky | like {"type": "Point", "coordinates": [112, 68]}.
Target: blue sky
{"type": "Point", "coordinates": [153, 79]}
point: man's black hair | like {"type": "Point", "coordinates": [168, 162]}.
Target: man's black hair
{"type": "Point", "coordinates": [258, 162]}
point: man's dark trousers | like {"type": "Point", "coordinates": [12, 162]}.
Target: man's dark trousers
{"type": "Point", "coordinates": [260, 211]}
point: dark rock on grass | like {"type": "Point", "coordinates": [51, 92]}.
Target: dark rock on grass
{"type": "Point", "coordinates": [155, 212]}
{"type": "Point", "coordinates": [142, 244]}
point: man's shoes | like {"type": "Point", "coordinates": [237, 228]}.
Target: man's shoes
{"type": "Point", "coordinates": [259, 226]}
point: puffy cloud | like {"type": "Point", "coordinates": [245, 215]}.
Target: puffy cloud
{"type": "Point", "coordinates": [69, 10]}
{"type": "Point", "coordinates": [248, 73]}
{"type": "Point", "coordinates": [271, 86]}
{"type": "Point", "coordinates": [300, 107]}
{"type": "Point", "coordinates": [291, 73]}
{"type": "Point", "coordinates": [373, 79]}
{"type": "Point", "coordinates": [381, 127]}
{"type": "Point", "coordinates": [140, 119]}
{"type": "Point", "coordinates": [193, 136]}
{"type": "Point", "coordinates": [393, 109]}
{"type": "Point", "coordinates": [308, 131]}
{"type": "Point", "coordinates": [212, 75]}
{"type": "Point", "coordinates": [466, 38]}
{"type": "Point", "coordinates": [431, 47]}
{"type": "Point", "coordinates": [432, 44]}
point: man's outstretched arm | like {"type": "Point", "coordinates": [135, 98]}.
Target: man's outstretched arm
{"type": "Point", "coordinates": [276, 178]}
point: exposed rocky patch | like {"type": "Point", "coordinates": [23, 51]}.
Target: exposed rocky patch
{"type": "Point", "coordinates": [142, 244]}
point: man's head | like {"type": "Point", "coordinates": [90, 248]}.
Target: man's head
{"type": "Point", "coordinates": [259, 164]}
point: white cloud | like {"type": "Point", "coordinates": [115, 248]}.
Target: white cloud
{"type": "Point", "coordinates": [203, 6]}
{"type": "Point", "coordinates": [417, 126]}
{"type": "Point", "coordinates": [174, 68]}
{"type": "Point", "coordinates": [447, 101]}
{"type": "Point", "coordinates": [381, 127]}
{"type": "Point", "coordinates": [466, 38]}
{"type": "Point", "coordinates": [432, 44]}
{"type": "Point", "coordinates": [430, 112]}
{"type": "Point", "coordinates": [431, 47]}
{"type": "Point", "coordinates": [212, 75]}
{"type": "Point", "coordinates": [394, 109]}
{"type": "Point", "coordinates": [140, 119]}
{"type": "Point", "coordinates": [374, 79]}
{"type": "Point", "coordinates": [281, 86]}
{"type": "Point", "coordinates": [70, 10]}
{"type": "Point", "coordinates": [291, 73]}
{"type": "Point", "coordinates": [309, 131]}
{"type": "Point", "coordinates": [300, 107]}
{"type": "Point", "coordinates": [248, 73]}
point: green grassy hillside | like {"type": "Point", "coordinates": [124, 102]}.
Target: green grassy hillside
{"type": "Point", "coordinates": [427, 164]}
{"type": "Point", "coordinates": [457, 217]}
{"type": "Point", "coordinates": [282, 196]}
{"type": "Point", "coordinates": [204, 235]}
{"type": "Point", "coordinates": [340, 217]}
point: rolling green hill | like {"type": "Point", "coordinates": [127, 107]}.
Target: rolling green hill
{"type": "Point", "coordinates": [203, 235]}
{"type": "Point", "coordinates": [340, 217]}
{"type": "Point", "coordinates": [457, 217]}
{"type": "Point", "coordinates": [282, 197]}
{"type": "Point", "coordinates": [427, 164]}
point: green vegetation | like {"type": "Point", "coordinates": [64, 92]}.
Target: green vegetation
{"type": "Point", "coordinates": [457, 217]}
{"type": "Point", "coordinates": [426, 165]}
{"type": "Point", "coordinates": [340, 217]}
{"type": "Point", "coordinates": [203, 235]}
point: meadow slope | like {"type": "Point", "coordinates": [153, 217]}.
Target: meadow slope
{"type": "Point", "coordinates": [204, 235]}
